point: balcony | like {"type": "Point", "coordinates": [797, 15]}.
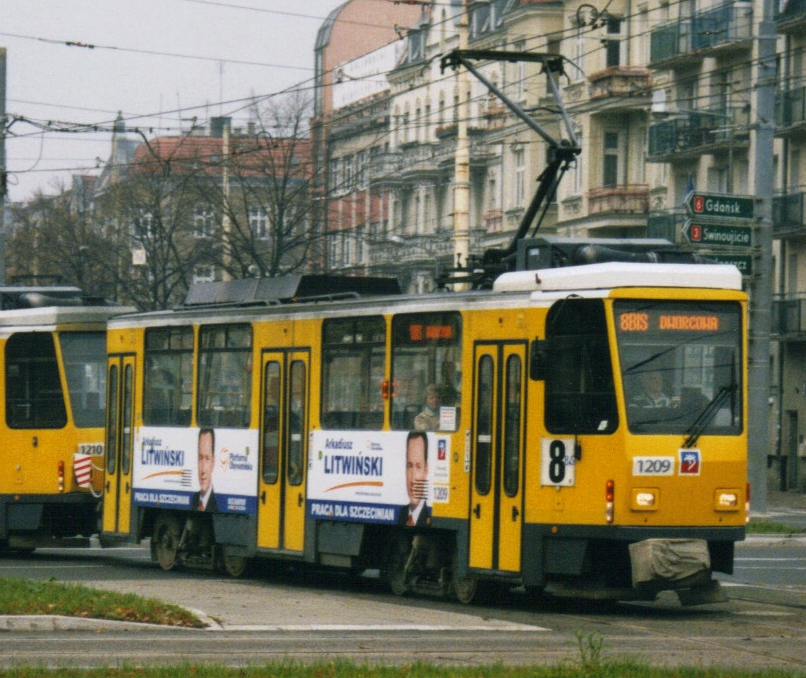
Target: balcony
{"type": "Point", "coordinates": [792, 18]}
{"type": "Point", "coordinates": [788, 316]}
{"type": "Point", "coordinates": [417, 159]}
{"type": "Point", "coordinates": [493, 221]}
{"type": "Point", "coordinates": [788, 215]}
{"type": "Point", "coordinates": [630, 83]}
{"type": "Point", "coordinates": [384, 167]}
{"type": "Point", "coordinates": [790, 112]}
{"type": "Point", "coordinates": [724, 28]}
{"type": "Point", "coordinates": [619, 199]}
{"type": "Point", "coordinates": [690, 134]}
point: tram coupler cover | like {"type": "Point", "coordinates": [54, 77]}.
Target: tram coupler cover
{"type": "Point", "coordinates": [667, 563]}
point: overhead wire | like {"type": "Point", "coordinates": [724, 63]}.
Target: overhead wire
{"type": "Point", "coordinates": [252, 101]}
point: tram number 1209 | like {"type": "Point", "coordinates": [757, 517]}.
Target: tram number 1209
{"type": "Point", "coordinates": [557, 461]}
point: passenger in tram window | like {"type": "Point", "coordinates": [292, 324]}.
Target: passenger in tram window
{"type": "Point", "coordinates": [428, 419]}
{"type": "Point", "coordinates": [652, 394]}
{"type": "Point", "coordinates": [204, 499]}
{"type": "Point", "coordinates": [416, 512]}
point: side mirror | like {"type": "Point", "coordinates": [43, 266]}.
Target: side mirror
{"type": "Point", "coordinates": [539, 356]}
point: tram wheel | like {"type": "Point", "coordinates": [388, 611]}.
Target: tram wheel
{"type": "Point", "coordinates": [165, 540]}
{"type": "Point", "coordinates": [466, 589]}
{"type": "Point", "coordinates": [395, 571]}
{"type": "Point", "coordinates": [232, 564]}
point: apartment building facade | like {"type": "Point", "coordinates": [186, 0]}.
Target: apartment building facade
{"type": "Point", "coordinates": [661, 96]}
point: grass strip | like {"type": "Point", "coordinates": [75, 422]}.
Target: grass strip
{"type": "Point", "coordinates": [32, 596]}
{"type": "Point", "coordinates": [763, 526]}
{"type": "Point", "coordinates": [347, 669]}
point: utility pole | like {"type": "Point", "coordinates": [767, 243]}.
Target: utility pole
{"type": "Point", "coordinates": [760, 288]}
{"type": "Point", "coordinates": [3, 172]}
{"type": "Point", "coordinates": [226, 226]}
{"type": "Point", "coordinates": [461, 180]}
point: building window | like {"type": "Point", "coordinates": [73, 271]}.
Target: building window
{"type": "Point", "coordinates": [361, 170]}
{"type": "Point", "coordinates": [258, 221]}
{"type": "Point", "coordinates": [347, 166]}
{"type": "Point", "coordinates": [335, 176]}
{"type": "Point", "coordinates": [519, 161]}
{"type": "Point", "coordinates": [520, 73]}
{"type": "Point", "coordinates": [360, 247]}
{"type": "Point", "coordinates": [144, 226]}
{"type": "Point", "coordinates": [578, 74]}
{"type": "Point", "coordinates": [203, 221]}
{"type": "Point", "coordinates": [610, 157]}
{"type": "Point", "coordinates": [203, 274]}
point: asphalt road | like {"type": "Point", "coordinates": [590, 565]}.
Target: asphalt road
{"type": "Point", "coordinates": [281, 613]}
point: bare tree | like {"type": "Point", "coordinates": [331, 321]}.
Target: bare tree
{"type": "Point", "coordinates": [262, 190]}
{"type": "Point", "coordinates": [55, 242]}
{"type": "Point", "coordinates": [158, 232]}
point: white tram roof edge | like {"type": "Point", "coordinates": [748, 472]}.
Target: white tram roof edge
{"type": "Point", "coordinates": [618, 274]}
{"type": "Point", "coordinates": [60, 315]}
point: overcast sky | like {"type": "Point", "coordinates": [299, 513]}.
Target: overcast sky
{"type": "Point", "coordinates": [160, 62]}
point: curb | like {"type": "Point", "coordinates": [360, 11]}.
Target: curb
{"type": "Point", "coordinates": [48, 622]}
{"type": "Point", "coordinates": [53, 622]}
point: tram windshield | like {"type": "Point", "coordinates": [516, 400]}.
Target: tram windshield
{"type": "Point", "coordinates": [681, 366]}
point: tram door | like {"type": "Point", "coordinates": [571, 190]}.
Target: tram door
{"type": "Point", "coordinates": [284, 446]}
{"type": "Point", "coordinates": [496, 506]}
{"type": "Point", "coordinates": [119, 439]}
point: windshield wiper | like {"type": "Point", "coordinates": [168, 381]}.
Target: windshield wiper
{"type": "Point", "coordinates": [709, 412]}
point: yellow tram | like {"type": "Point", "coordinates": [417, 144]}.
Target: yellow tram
{"type": "Point", "coordinates": [580, 429]}
{"type": "Point", "coordinates": [53, 375]}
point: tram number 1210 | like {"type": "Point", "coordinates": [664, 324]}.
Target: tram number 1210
{"type": "Point", "coordinates": [557, 462]}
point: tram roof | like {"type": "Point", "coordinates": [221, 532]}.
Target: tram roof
{"type": "Point", "coordinates": [60, 315]}
{"type": "Point", "coordinates": [618, 275]}
{"type": "Point", "coordinates": [287, 289]}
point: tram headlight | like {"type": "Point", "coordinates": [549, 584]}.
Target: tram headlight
{"type": "Point", "coordinates": [645, 499]}
{"type": "Point", "coordinates": [727, 500]}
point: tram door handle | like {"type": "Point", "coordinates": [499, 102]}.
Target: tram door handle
{"type": "Point", "coordinates": [108, 486]}
{"type": "Point", "coordinates": [263, 497]}
{"type": "Point", "coordinates": [477, 511]}
{"type": "Point", "coordinates": [515, 513]}
{"type": "Point", "coordinates": [300, 499]}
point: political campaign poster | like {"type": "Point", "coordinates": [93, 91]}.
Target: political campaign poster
{"type": "Point", "coordinates": [211, 470]}
{"type": "Point", "coordinates": [377, 476]}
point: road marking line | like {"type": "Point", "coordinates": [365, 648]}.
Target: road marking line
{"type": "Point", "coordinates": [504, 626]}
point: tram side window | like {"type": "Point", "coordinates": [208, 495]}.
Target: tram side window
{"type": "Point", "coordinates": [353, 353]}
{"type": "Point", "coordinates": [225, 376]}
{"type": "Point", "coordinates": [426, 371]}
{"type": "Point", "coordinates": [168, 376]}
{"type": "Point", "coordinates": [34, 396]}
{"type": "Point", "coordinates": [84, 355]}
{"type": "Point", "coordinates": [580, 391]}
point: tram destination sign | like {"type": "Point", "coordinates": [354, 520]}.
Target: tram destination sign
{"type": "Point", "coordinates": [717, 235]}
{"type": "Point", "coordinates": [721, 206]}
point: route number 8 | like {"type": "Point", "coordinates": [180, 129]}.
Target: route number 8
{"type": "Point", "coordinates": [557, 462]}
